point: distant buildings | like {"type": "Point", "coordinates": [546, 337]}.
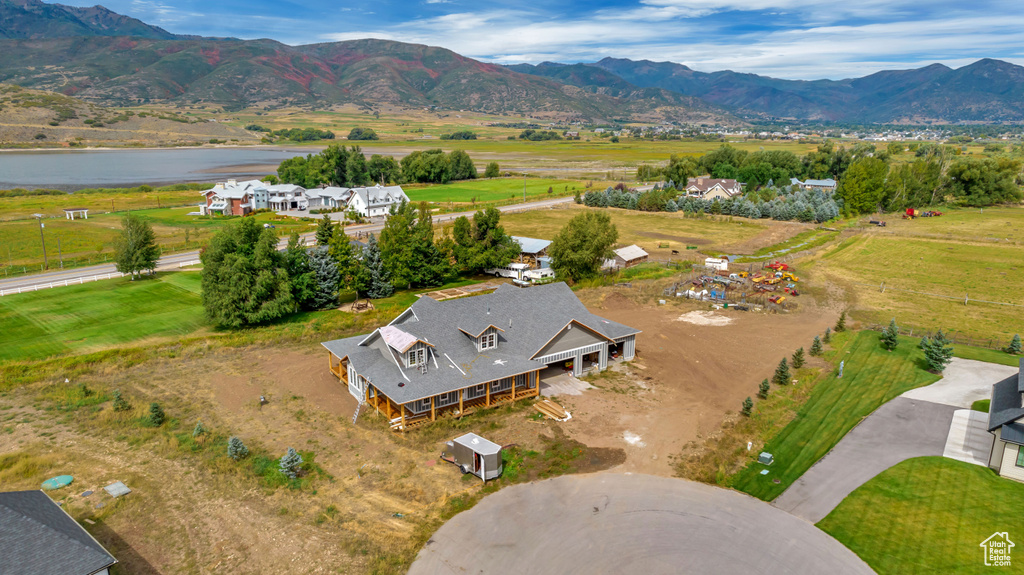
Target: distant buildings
{"type": "Point", "coordinates": [234, 198]}
{"type": "Point", "coordinates": [826, 185]}
{"type": "Point", "coordinates": [711, 188]}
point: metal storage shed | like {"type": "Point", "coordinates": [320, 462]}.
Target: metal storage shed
{"type": "Point", "coordinates": [476, 455]}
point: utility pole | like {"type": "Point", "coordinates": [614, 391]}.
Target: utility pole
{"type": "Point", "coordinates": [60, 254]}
{"type": "Point", "coordinates": [46, 264]}
{"type": "Point", "coordinates": [524, 187]}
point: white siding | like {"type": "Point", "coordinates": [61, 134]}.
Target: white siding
{"type": "Point", "coordinates": [1009, 467]}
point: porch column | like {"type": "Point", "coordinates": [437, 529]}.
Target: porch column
{"type": "Point", "coordinates": [536, 388]}
{"type": "Point", "coordinates": [433, 412]}
{"type": "Point", "coordinates": [402, 407]}
{"type": "Point", "coordinates": [577, 365]}
{"type": "Point", "coordinates": [488, 384]}
{"type": "Point", "coordinates": [602, 361]}
{"type": "Point", "coordinates": [462, 392]}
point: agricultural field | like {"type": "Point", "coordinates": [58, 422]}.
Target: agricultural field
{"type": "Point", "coordinates": [465, 194]}
{"type": "Point", "coordinates": [872, 376]}
{"type": "Point", "coordinates": [652, 230]}
{"type": "Point", "coordinates": [927, 515]}
{"type": "Point", "coordinates": [949, 269]}
{"type": "Point", "coordinates": [98, 315]}
{"type": "Point", "coordinates": [15, 207]}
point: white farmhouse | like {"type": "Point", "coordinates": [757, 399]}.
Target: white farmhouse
{"type": "Point", "coordinates": [376, 201]}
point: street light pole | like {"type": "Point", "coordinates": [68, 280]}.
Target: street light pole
{"type": "Point", "coordinates": [46, 264]}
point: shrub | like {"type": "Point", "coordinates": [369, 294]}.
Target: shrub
{"type": "Point", "coordinates": [120, 403]}
{"type": "Point", "coordinates": [236, 449]}
{"type": "Point", "coordinates": [199, 429]}
{"type": "Point", "coordinates": [156, 414]}
{"type": "Point", "coordinates": [828, 335]}
{"type": "Point", "coordinates": [748, 404]}
{"type": "Point", "coordinates": [290, 463]}
{"type": "Point", "coordinates": [1014, 346]}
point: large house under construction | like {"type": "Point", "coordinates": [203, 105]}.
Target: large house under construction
{"type": "Point", "coordinates": [466, 354]}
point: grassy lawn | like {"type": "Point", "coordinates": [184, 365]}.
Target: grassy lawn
{"type": "Point", "coordinates": [981, 405]}
{"type": "Point", "coordinates": [92, 316]}
{"type": "Point", "coordinates": [646, 229]}
{"type": "Point", "coordinates": [99, 201]}
{"type": "Point", "coordinates": [492, 190]}
{"type": "Point", "coordinates": [928, 515]}
{"type": "Point", "coordinates": [985, 271]}
{"type": "Point", "coordinates": [872, 376]}
{"type": "Point", "coordinates": [986, 355]}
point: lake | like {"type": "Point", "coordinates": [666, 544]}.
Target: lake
{"type": "Point", "coordinates": [76, 169]}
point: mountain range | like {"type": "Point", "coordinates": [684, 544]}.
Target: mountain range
{"type": "Point", "coordinates": [101, 56]}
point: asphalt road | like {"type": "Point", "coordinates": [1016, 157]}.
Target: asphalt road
{"type": "Point", "coordinates": [172, 261]}
{"type": "Point", "coordinates": [612, 523]}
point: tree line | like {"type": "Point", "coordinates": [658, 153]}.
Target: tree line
{"type": "Point", "coordinates": [348, 167]}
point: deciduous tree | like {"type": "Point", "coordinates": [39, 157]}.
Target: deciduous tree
{"type": "Point", "coordinates": [135, 249]}
{"type": "Point", "coordinates": [578, 250]}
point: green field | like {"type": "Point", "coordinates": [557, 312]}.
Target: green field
{"type": "Point", "coordinates": [88, 241]}
{"type": "Point", "coordinates": [646, 229]}
{"type": "Point", "coordinates": [953, 269]}
{"type": "Point", "coordinates": [98, 201]}
{"type": "Point", "coordinates": [872, 376]}
{"type": "Point", "coordinates": [492, 190]}
{"type": "Point", "coordinates": [928, 515]}
{"type": "Point", "coordinates": [91, 316]}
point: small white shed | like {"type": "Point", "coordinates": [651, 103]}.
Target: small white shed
{"type": "Point", "coordinates": [720, 264]}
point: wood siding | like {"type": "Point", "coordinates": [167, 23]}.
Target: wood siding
{"type": "Point", "coordinates": [569, 339]}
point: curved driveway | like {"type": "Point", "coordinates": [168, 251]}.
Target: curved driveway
{"type": "Point", "coordinates": [613, 523]}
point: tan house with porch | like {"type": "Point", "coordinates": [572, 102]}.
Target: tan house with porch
{"type": "Point", "coordinates": [459, 356]}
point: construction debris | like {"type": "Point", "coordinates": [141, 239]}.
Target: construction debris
{"type": "Point", "coordinates": [552, 410]}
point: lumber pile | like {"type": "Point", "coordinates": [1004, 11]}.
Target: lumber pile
{"type": "Point", "coordinates": [552, 410]}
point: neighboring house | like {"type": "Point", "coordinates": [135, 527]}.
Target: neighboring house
{"type": "Point", "coordinates": [377, 200]}
{"type": "Point", "coordinates": [531, 249]}
{"type": "Point", "coordinates": [572, 134]}
{"type": "Point", "coordinates": [1006, 423]}
{"type": "Point", "coordinates": [332, 197]}
{"type": "Point", "coordinates": [711, 188]}
{"type": "Point", "coordinates": [626, 257]}
{"type": "Point", "coordinates": [284, 197]}
{"type": "Point", "coordinates": [828, 185]}
{"type": "Point", "coordinates": [37, 537]}
{"type": "Point", "coordinates": [461, 355]}
{"type": "Point", "coordinates": [235, 198]}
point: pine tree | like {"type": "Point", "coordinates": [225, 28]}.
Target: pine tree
{"type": "Point", "coordinates": [938, 352]}
{"type": "Point", "coordinates": [798, 358]}
{"type": "Point", "coordinates": [345, 257]}
{"type": "Point", "coordinates": [374, 281]}
{"type": "Point", "coordinates": [236, 449]}
{"type": "Point", "coordinates": [841, 322]}
{"type": "Point", "coordinates": [762, 391]}
{"type": "Point", "coordinates": [199, 429]}
{"type": "Point", "coordinates": [120, 403]}
{"type": "Point", "coordinates": [135, 249]}
{"type": "Point", "coordinates": [156, 414]}
{"type": "Point", "coordinates": [816, 346]}
{"type": "Point", "coordinates": [296, 263]}
{"type": "Point", "coordinates": [1014, 346]}
{"type": "Point", "coordinates": [748, 404]}
{"type": "Point", "coordinates": [324, 230]}
{"type": "Point", "coordinates": [890, 336]}
{"type": "Point", "coordinates": [782, 375]}
{"type": "Point", "coordinates": [290, 462]}
{"type": "Point", "coordinates": [828, 335]}
{"type": "Point", "coordinates": [924, 342]}
{"type": "Point", "coordinates": [325, 279]}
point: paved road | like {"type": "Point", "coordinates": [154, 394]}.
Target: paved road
{"type": "Point", "coordinates": [171, 262]}
{"type": "Point", "coordinates": [920, 422]}
{"type": "Point", "coordinates": [612, 523]}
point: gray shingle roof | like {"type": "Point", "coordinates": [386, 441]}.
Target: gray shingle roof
{"type": "Point", "coordinates": [1006, 406]}
{"type": "Point", "coordinates": [1013, 433]}
{"type": "Point", "coordinates": [38, 538]}
{"type": "Point", "coordinates": [381, 195]}
{"type": "Point", "coordinates": [529, 319]}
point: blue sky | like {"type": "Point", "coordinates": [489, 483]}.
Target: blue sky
{"type": "Point", "coordinates": [800, 39]}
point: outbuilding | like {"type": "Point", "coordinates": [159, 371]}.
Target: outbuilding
{"type": "Point", "coordinates": [719, 264]}
{"type": "Point", "coordinates": [476, 455]}
{"type": "Point", "coordinates": [630, 256]}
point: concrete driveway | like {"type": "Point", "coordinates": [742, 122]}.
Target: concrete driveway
{"type": "Point", "coordinates": [920, 422]}
{"type": "Point", "coordinates": [617, 523]}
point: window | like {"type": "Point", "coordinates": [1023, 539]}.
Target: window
{"type": "Point", "coordinates": [416, 357]}
{"type": "Point", "coordinates": [1020, 456]}
{"type": "Point", "coordinates": [488, 341]}
{"type": "Point", "coordinates": [475, 392]}
{"type": "Point", "coordinates": [421, 405]}
{"type": "Point", "coordinates": [501, 385]}
{"type": "Point", "coordinates": [524, 380]}
{"type": "Point", "coordinates": [447, 398]}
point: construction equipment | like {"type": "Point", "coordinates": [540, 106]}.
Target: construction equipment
{"type": "Point", "coordinates": [791, 291]}
{"type": "Point", "coordinates": [777, 299]}
{"type": "Point", "coordinates": [788, 276]}
{"type": "Point", "coordinates": [743, 274]}
{"type": "Point", "coordinates": [777, 266]}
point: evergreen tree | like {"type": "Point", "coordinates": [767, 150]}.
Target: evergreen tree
{"type": "Point", "coordinates": [890, 336]}
{"type": "Point", "coordinates": [156, 414]}
{"type": "Point", "coordinates": [325, 277]}
{"type": "Point", "coordinates": [397, 245]}
{"type": "Point", "coordinates": [938, 352]}
{"type": "Point", "coordinates": [373, 279]}
{"type": "Point", "coordinates": [782, 375]}
{"type": "Point", "coordinates": [798, 358]}
{"type": "Point", "coordinates": [290, 462]}
{"type": "Point", "coordinates": [841, 322]}
{"type": "Point", "coordinates": [1014, 346]}
{"type": "Point", "coordinates": [828, 335]}
{"type": "Point", "coordinates": [135, 249]}
{"type": "Point", "coordinates": [816, 346]}
{"type": "Point", "coordinates": [492, 170]}
{"type": "Point", "coordinates": [763, 390]}
{"type": "Point", "coordinates": [924, 342]}
{"type": "Point", "coordinates": [748, 405]}
{"type": "Point", "coordinates": [346, 258]}
{"type": "Point", "coordinates": [432, 267]}
{"type": "Point", "coordinates": [236, 449]}
{"type": "Point", "coordinates": [198, 429]}
{"type": "Point", "coordinates": [324, 230]}
{"type": "Point", "coordinates": [300, 274]}
{"type": "Point", "coordinates": [120, 403]}
{"type": "Point", "coordinates": [244, 280]}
